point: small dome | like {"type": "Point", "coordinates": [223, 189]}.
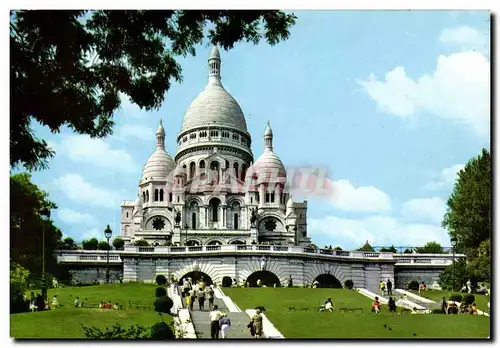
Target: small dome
{"type": "Point", "coordinates": [137, 202]}
{"type": "Point", "coordinates": [158, 166]}
{"type": "Point", "coordinates": [269, 131]}
{"type": "Point", "coordinates": [160, 130]}
{"type": "Point", "coordinates": [268, 168]}
{"type": "Point", "coordinates": [214, 53]}
{"type": "Point", "coordinates": [179, 171]}
{"type": "Point", "coordinates": [289, 203]}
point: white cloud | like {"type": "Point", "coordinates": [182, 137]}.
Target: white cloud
{"type": "Point", "coordinates": [83, 149]}
{"type": "Point", "coordinates": [360, 199]}
{"type": "Point", "coordinates": [73, 217]}
{"type": "Point", "coordinates": [427, 210]}
{"type": "Point", "coordinates": [467, 38]}
{"type": "Point", "coordinates": [377, 230]}
{"type": "Point", "coordinates": [78, 190]}
{"type": "Point", "coordinates": [136, 131]}
{"type": "Point", "coordinates": [447, 178]}
{"type": "Point", "coordinates": [458, 90]}
{"type": "Point", "coordinates": [52, 145]}
{"type": "Point", "coordinates": [92, 233]}
{"type": "Point", "coordinates": [128, 108]}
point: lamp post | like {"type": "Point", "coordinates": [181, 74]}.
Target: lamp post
{"type": "Point", "coordinates": [453, 241]}
{"type": "Point", "coordinates": [44, 212]}
{"type": "Point", "coordinates": [107, 234]}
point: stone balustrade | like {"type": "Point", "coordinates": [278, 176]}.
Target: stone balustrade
{"type": "Point", "coordinates": [99, 256]}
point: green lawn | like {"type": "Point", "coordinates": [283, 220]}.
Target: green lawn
{"type": "Point", "coordinates": [306, 322]}
{"type": "Point", "coordinates": [437, 296]}
{"type": "Point", "coordinates": [64, 322]}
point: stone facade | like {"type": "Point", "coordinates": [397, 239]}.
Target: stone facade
{"type": "Point", "coordinates": [212, 192]}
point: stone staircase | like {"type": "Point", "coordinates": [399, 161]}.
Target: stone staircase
{"type": "Point", "coordinates": [201, 321]}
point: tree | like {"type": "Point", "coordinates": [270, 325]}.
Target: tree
{"type": "Point", "coordinates": [103, 246]}
{"type": "Point", "coordinates": [457, 273]}
{"type": "Point", "coordinates": [468, 216]}
{"type": "Point", "coordinates": [90, 244]}
{"type": "Point", "coordinates": [391, 249]}
{"type": "Point", "coordinates": [431, 248]}
{"type": "Point", "coordinates": [366, 247]}
{"type": "Point", "coordinates": [27, 226]}
{"type": "Point", "coordinates": [70, 68]}
{"type": "Point", "coordinates": [141, 242]}
{"type": "Point", "coordinates": [18, 286]}
{"type": "Point", "coordinates": [479, 265]}
{"type": "Point", "coordinates": [118, 243]}
{"type": "Point", "coordinates": [69, 244]}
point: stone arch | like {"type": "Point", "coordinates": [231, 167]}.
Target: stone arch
{"type": "Point", "coordinates": [196, 276]}
{"type": "Point", "coordinates": [328, 281]}
{"type": "Point", "coordinates": [233, 200]}
{"type": "Point", "coordinates": [193, 242]}
{"type": "Point", "coordinates": [204, 267]}
{"type": "Point", "coordinates": [314, 270]}
{"type": "Point", "coordinates": [214, 207]}
{"type": "Point", "coordinates": [236, 241]}
{"type": "Point", "coordinates": [272, 265]}
{"type": "Point", "coordinates": [267, 278]}
{"type": "Point", "coordinates": [214, 242]}
{"type": "Point", "coordinates": [195, 199]}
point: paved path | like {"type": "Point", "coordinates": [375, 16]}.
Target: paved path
{"type": "Point", "coordinates": [201, 321]}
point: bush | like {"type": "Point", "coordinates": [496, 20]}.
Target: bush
{"type": "Point", "coordinates": [161, 331]}
{"type": "Point", "coordinates": [413, 285]}
{"type": "Point", "coordinates": [437, 311]}
{"type": "Point", "coordinates": [456, 298]}
{"type": "Point", "coordinates": [227, 282]}
{"type": "Point", "coordinates": [159, 292]}
{"type": "Point", "coordinates": [349, 284]}
{"type": "Point", "coordinates": [468, 299]}
{"type": "Point", "coordinates": [161, 280]}
{"type": "Point", "coordinates": [163, 304]}
{"type": "Point", "coordinates": [141, 242]}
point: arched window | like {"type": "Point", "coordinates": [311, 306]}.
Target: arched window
{"type": "Point", "coordinates": [156, 195]}
{"type": "Point", "coordinates": [202, 170]}
{"type": "Point", "coordinates": [243, 172]}
{"type": "Point", "coordinates": [236, 167]}
{"type": "Point", "coordinates": [267, 197]}
{"type": "Point", "coordinates": [170, 196]}
{"type": "Point", "coordinates": [272, 197]}
{"type": "Point", "coordinates": [161, 195]}
{"type": "Point", "coordinates": [214, 206]}
{"type": "Point", "coordinates": [178, 199]}
{"type": "Point", "coordinates": [147, 196]}
{"type": "Point", "coordinates": [192, 170]}
{"type": "Point", "coordinates": [127, 213]}
{"type": "Point", "coordinates": [251, 200]}
{"type": "Point", "coordinates": [193, 221]}
{"type": "Point", "coordinates": [235, 223]}
{"type": "Point", "coordinates": [143, 197]}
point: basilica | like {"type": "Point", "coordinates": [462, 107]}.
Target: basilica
{"type": "Point", "coordinates": [213, 192]}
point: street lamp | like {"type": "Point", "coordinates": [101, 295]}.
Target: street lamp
{"type": "Point", "coordinates": [453, 241]}
{"type": "Point", "coordinates": [44, 212]}
{"type": "Point", "coordinates": [107, 234]}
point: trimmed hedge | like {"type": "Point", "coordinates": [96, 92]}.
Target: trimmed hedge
{"type": "Point", "coordinates": [468, 299]}
{"type": "Point", "coordinates": [413, 285]}
{"type": "Point", "coordinates": [160, 292]}
{"type": "Point", "coordinates": [349, 284]}
{"type": "Point", "coordinates": [456, 298]}
{"type": "Point", "coordinates": [161, 280]}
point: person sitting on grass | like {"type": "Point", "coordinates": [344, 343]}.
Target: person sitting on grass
{"type": "Point", "coordinates": [452, 308]}
{"type": "Point", "coordinates": [444, 306]}
{"type": "Point", "coordinates": [414, 310]}
{"type": "Point", "coordinates": [55, 303]}
{"type": "Point", "coordinates": [77, 302]}
{"type": "Point", "coordinates": [473, 309]}
{"type": "Point", "coordinates": [327, 306]}
{"type": "Point", "coordinates": [101, 305]}
{"type": "Point", "coordinates": [376, 306]}
{"type": "Point", "coordinates": [392, 305]}
{"type": "Point", "coordinates": [109, 305]}
{"type": "Point", "coordinates": [116, 306]}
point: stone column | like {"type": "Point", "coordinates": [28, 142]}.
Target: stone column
{"type": "Point", "coordinates": [262, 195]}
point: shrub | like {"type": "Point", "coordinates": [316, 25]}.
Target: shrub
{"type": "Point", "coordinates": [437, 311]}
{"type": "Point", "coordinates": [163, 304]}
{"type": "Point", "coordinates": [227, 282]}
{"type": "Point", "coordinates": [141, 242]}
{"type": "Point", "coordinates": [468, 299]}
{"type": "Point", "coordinates": [349, 284]}
{"type": "Point", "coordinates": [160, 292]}
{"type": "Point", "coordinates": [161, 280]}
{"type": "Point", "coordinates": [413, 285]}
{"type": "Point", "coordinates": [161, 331]}
{"type": "Point", "coordinates": [456, 298]}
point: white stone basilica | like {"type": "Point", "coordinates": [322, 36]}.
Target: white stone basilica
{"type": "Point", "coordinates": [212, 192]}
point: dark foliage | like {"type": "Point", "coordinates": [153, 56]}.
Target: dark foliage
{"type": "Point", "coordinates": [349, 284]}
{"type": "Point", "coordinates": [159, 331]}
{"type": "Point", "coordinates": [159, 292]}
{"type": "Point", "coordinates": [118, 243]}
{"type": "Point", "coordinates": [456, 298]}
{"type": "Point", "coordinates": [68, 68]}
{"type": "Point", "coordinates": [91, 244]}
{"type": "Point", "coordinates": [163, 304]}
{"type": "Point", "coordinates": [141, 242]}
{"type": "Point", "coordinates": [468, 299]}
{"type": "Point", "coordinates": [103, 246]}
{"type": "Point", "coordinates": [391, 249]}
{"type": "Point", "coordinates": [413, 285]}
{"type": "Point", "coordinates": [160, 280]}
{"type": "Point", "coordinates": [227, 282]}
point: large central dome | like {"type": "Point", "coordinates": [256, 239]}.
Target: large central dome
{"type": "Point", "coordinates": [214, 105]}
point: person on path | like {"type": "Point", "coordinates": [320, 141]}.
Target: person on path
{"type": "Point", "coordinates": [201, 299]}
{"type": "Point", "coordinates": [214, 316]}
{"type": "Point", "coordinates": [257, 324]}
{"type": "Point", "coordinates": [259, 283]}
{"type": "Point", "coordinates": [224, 324]}
{"type": "Point", "coordinates": [382, 287]}
{"type": "Point", "coordinates": [192, 296]}
{"type": "Point", "coordinates": [210, 297]}
{"type": "Point", "coordinates": [389, 287]}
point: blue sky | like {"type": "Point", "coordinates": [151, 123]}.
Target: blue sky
{"type": "Point", "coordinates": [391, 102]}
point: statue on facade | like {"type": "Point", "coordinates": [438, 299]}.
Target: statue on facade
{"type": "Point", "coordinates": [253, 218]}
{"type": "Point", "coordinates": [178, 218]}
{"type": "Point", "coordinates": [263, 263]}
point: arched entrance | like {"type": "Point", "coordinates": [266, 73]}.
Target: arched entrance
{"type": "Point", "coordinates": [237, 242]}
{"type": "Point", "coordinates": [227, 282]}
{"type": "Point", "coordinates": [214, 242]}
{"type": "Point", "coordinates": [267, 278]}
{"type": "Point", "coordinates": [328, 281]}
{"type": "Point", "coordinates": [196, 276]}
{"type": "Point", "coordinates": [192, 243]}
